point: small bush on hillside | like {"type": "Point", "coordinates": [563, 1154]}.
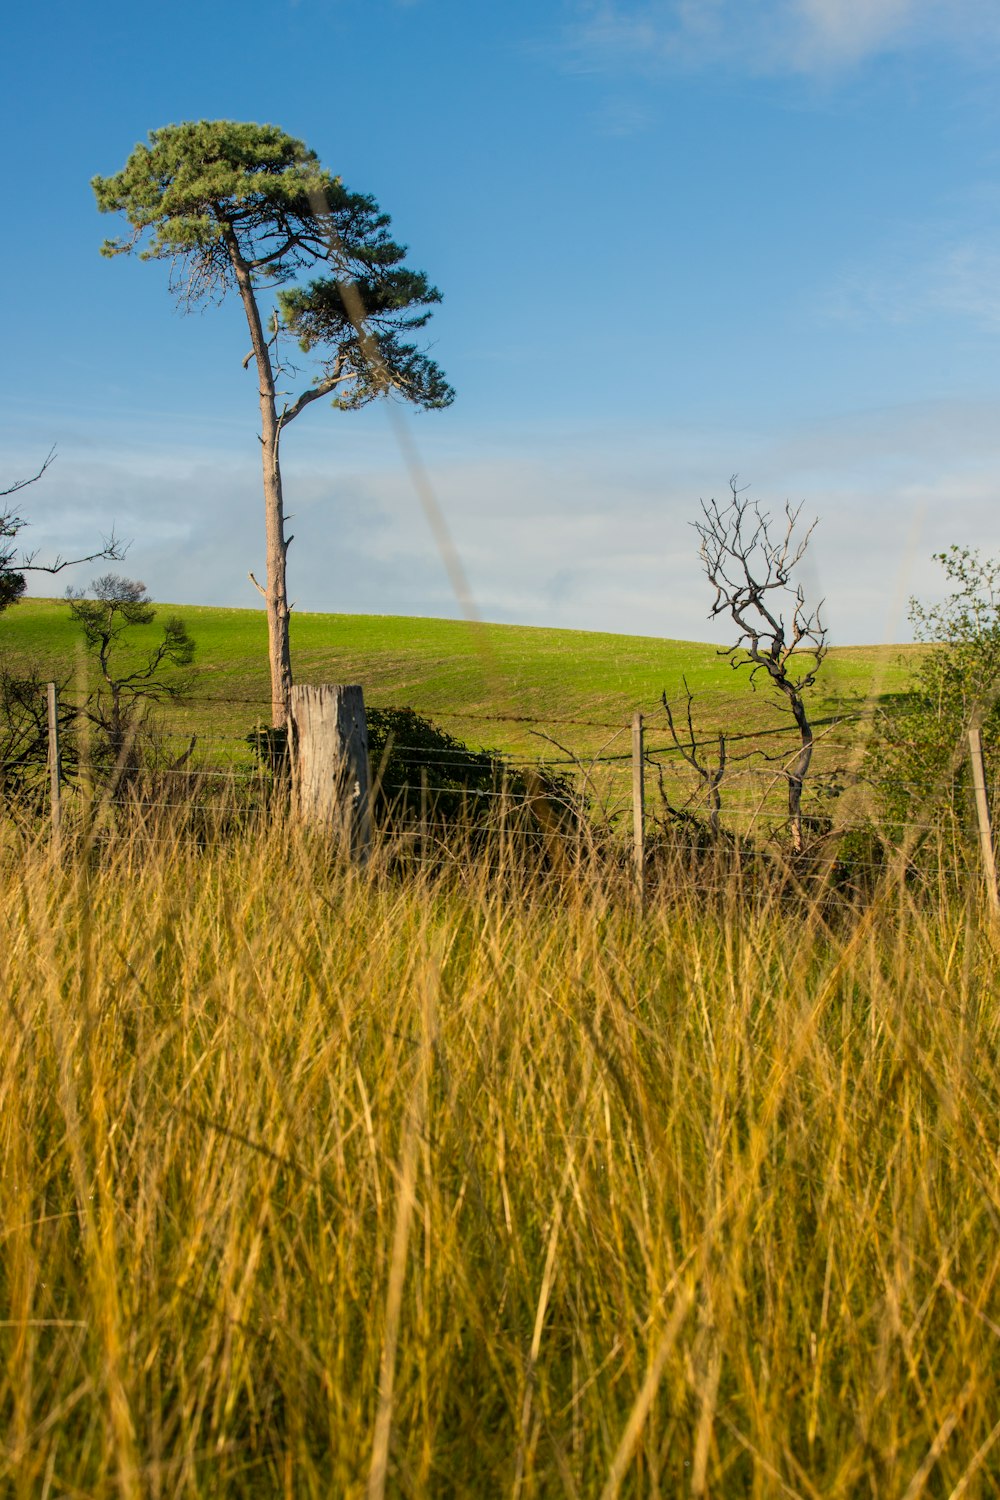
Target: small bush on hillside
{"type": "Point", "coordinates": [419, 769]}
{"type": "Point", "coordinates": [409, 754]}
{"type": "Point", "coordinates": [917, 759]}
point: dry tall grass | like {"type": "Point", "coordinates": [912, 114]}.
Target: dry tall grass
{"type": "Point", "coordinates": [320, 1183]}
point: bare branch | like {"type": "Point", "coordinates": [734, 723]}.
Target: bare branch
{"type": "Point", "coordinates": [314, 394]}
{"type": "Point", "coordinates": [22, 484]}
{"type": "Point", "coordinates": [113, 549]}
{"type": "Point", "coordinates": [587, 772]}
{"type": "Point", "coordinates": [275, 255]}
{"type": "Point", "coordinates": [710, 777]}
{"type": "Point", "coordinates": [14, 563]}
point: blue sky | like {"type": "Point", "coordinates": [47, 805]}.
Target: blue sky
{"type": "Point", "coordinates": [676, 239]}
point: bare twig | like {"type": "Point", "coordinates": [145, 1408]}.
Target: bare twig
{"type": "Point", "coordinates": [22, 484]}
{"type": "Point", "coordinates": [710, 777]}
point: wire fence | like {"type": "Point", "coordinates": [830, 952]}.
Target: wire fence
{"type": "Point", "coordinates": [656, 778]}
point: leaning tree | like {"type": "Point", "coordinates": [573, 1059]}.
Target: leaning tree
{"type": "Point", "coordinates": [246, 208]}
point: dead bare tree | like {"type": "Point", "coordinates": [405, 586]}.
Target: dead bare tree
{"type": "Point", "coordinates": [751, 571]}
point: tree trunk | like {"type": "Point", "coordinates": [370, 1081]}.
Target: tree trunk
{"type": "Point", "coordinates": [275, 592]}
{"type": "Point", "coordinates": [797, 774]}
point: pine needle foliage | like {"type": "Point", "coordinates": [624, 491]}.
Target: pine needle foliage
{"type": "Point", "coordinates": [211, 197]}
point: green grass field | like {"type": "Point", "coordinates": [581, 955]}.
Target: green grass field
{"type": "Point", "coordinates": [488, 684]}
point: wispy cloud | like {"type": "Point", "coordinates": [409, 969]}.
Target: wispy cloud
{"type": "Point", "coordinates": [960, 279]}
{"type": "Point", "coordinates": [967, 281]}
{"type": "Point", "coordinates": [837, 32]}
{"type": "Point", "coordinates": [621, 118]}
{"type": "Point", "coordinates": [769, 36]}
{"type": "Point", "coordinates": [590, 531]}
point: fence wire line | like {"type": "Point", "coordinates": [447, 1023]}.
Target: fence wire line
{"type": "Point", "coordinates": [647, 707]}
{"type": "Point", "coordinates": [185, 731]}
{"type": "Point", "coordinates": [600, 791]}
{"type": "Point", "coordinates": [468, 759]}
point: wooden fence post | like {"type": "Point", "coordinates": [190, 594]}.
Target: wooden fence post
{"type": "Point", "coordinates": [55, 766]}
{"type": "Point", "coordinates": [424, 815]}
{"type": "Point", "coordinates": [983, 816]}
{"type": "Point", "coordinates": [331, 779]}
{"type": "Point", "coordinates": [638, 810]}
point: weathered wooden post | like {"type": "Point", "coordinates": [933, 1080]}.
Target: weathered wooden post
{"type": "Point", "coordinates": [55, 766]}
{"type": "Point", "coordinates": [331, 780]}
{"type": "Point", "coordinates": [983, 816]}
{"type": "Point", "coordinates": [638, 810]}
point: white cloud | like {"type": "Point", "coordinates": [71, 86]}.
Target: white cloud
{"type": "Point", "coordinates": [590, 531]}
{"type": "Point", "coordinates": [960, 279]}
{"type": "Point", "coordinates": [770, 36]}
{"type": "Point", "coordinates": [844, 31]}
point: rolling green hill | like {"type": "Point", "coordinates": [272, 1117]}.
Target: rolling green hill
{"type": "Point", "coordinates": [488, 684]}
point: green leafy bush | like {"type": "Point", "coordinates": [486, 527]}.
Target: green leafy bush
{"type": "Point", "coordinates": [917, 759]}
{"type": "Point", "coordinates": [420, 769]}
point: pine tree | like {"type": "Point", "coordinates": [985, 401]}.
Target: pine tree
{"type": "Point", "coordinates": [245, 208]}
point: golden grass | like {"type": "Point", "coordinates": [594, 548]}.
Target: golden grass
{"type": "Point", "coordinates": [326, 1183]}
